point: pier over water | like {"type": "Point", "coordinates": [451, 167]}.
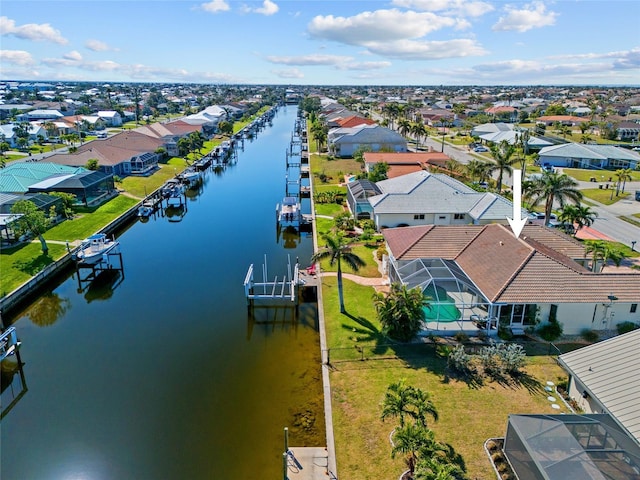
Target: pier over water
{"type": "Point", "coordinates": [162, 373]}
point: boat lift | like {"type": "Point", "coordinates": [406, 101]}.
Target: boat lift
{"type": "Point", "coordinates": [276, 290]}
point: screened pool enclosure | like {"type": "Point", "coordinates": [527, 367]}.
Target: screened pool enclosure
{"type": "Point", "coordinates": [455, 303]}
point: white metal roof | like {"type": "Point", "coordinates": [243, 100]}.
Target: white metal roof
{"type": "Point", "coordinates": [610, 370]}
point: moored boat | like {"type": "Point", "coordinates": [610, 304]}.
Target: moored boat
{"type": "Point", "coordinates": [93, 248]}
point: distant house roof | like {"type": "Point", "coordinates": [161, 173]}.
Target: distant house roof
{"type": "Point", "coordinates": [354, 120]}
{"type": "Point", "coordinates": [528, 269]}
{"type": "Point", "coordinates": [366, 134]}
{"type": "Point", "coordinates": [487, 128]}
{"type": "Point", "coordinates": [609, 371]}
{"type": "Point", "coordinates": [562, 119]}
{"type": "Point", "coordinates": [177, 128]}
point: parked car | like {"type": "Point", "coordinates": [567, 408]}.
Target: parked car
{"type": "Point", "coordinates": [547, 167]}
{"type": "Point", "coordinates": [480, 148]}
{"type": "Point", "coordinates": [638, 195]}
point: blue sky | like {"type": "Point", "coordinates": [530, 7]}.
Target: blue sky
{"type": "Point", "coordinates": [349, 42]}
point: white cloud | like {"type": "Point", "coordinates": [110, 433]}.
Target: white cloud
{"type": "Point", "coordinates": [450, 7]}
{"type": "Point", "coordinates": [31, 31]}
{"type": "Point", "coordinates": [97, 46]}
{"type": "Point", "coordinates": [378, 26]}
{"type": "Point", "coordinates": [268, 8]}
{"type": "Point", "coordinates": [533, 15]}
{"type": "Point", "coordinates": [16, 57]}
{"type": "Point", "coordinates": [364, 66]}
{"type": "Point", "coordinates": [290, 73]}
{"type": "Point", "coordinates": [215, 6]}
{"type": "Point", "coordinates": [306, 60]}
{"type": "Point", "coordinates": [427, 50]}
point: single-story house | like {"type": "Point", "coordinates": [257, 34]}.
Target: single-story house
{"type": "Point", "coordinates": [603, 377]}
{"type": "Point", "coordinates": [207, 119]}
{"type": "Point", "coordinates": [482, 276]}
{"type": "Point", "coordinates": [424, 198]}
{"type": "Point", "coordinates": [628, 131]}
{"type": "Point", "coordinates": [345, 142]}
{"type": "Point", "coordinates": [28, 179]}
{"type": "Point", "coordinates": [35, 131]}
{"type": "Point", "coordinates": [566, 120]}
{"type": "Point", "coordinates": [405, 162]}
{"type": "Point", "coordinates": [578, 155]}
{"type": "Point", "coordinates": [492, 128]}
{"type": "Point", "coordinates": [111, 118]}
{"type": "Point", "coordinates": [39, 115]}
{"type": "Point", "coordinates": [17, 177]}
{"type": "Point", "coordinates": [126, 153]}
{"type": "Point", "coordinates": [169, 133]}
{"type": "Point", "coordinates": [568, 447]}
{"type": "Point", "coordinates": [353, 121]}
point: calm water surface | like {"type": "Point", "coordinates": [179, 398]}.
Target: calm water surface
{"type": "Point", "coordinates": [165, 375]}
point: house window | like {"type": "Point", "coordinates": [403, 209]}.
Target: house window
{"type": "Point", "coordinates": [419, 216]}
{"type": "Point", "coordinates": [634, 307]}
{"type": "Point", "coordinates": [458, 216]}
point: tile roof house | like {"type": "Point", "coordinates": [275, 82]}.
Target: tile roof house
{"type": "Point", "coordinates": [578, 155]}
{"type": "Point", "coordinates": [424, 198]}
{"type": "Point", "coordinates": [604, 379]}
{"type": "Point", "coordinates": [476, 272]}
{"type": "Point", "coordinates": [126, 153]}
{"type": "Point", "coordinates": [345, 142]}
{"type": "Point", "coordinates": [403, 163]}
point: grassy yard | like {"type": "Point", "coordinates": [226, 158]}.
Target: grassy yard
{"type": "Point", "coordinates": [604, 195]}
{"type": "Point", "coordinates": [585, 175]}
{"type": "Point", "coordinates": [21, 263]}
{"type": "Point", "coordinates": [334, 169]}
{"type": "Point", "coordinates": [469, 413]}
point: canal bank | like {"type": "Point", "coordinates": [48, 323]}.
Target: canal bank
{"type": "Point", "coordinates": [163, 375]}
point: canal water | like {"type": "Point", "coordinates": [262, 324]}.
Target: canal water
{"type": "Point", "coordinates": [162, 373]}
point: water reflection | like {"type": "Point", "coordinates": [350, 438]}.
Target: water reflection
{"type": "Point", "coordinates": [102, 287]}
{"type": "Point", "coordinates": [12, 382]}
{"type": "Point", "coordinates": [47, 309]}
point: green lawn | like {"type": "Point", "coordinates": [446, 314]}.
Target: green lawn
{"type": "Point", "coordinates": [21, 263]}
{"type": "Point", "coordinates": [85, 224]}
{"type": "Point", "coordinates": [604, 195]}
{"type": "Point", "coordinates": [330, 209]}
{"type": "Point", "coordinates": [585, 175]}
{"type": "Point", "coordinates": [469, 414]}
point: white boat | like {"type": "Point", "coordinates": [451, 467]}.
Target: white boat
{"type": "Point", "coordinates": [288, 211]}
{"type": "Point", "coordinates": [190, 178]}
{"type": "Point", "coordinates": [145, 211]}
{"type": "Point", "coordinates": [93, 248]}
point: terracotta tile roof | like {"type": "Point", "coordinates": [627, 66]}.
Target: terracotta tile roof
{"type": "Point", "coordinates": [429, 241]}
{"type": "Point", "coordinates": [353, 121]}
{"type": "Point", "coordinates": [406, 158]}
{"type": "Point", "coordinates": [399, 170]}
{"type": "Point", "coordinates": [537, 267]}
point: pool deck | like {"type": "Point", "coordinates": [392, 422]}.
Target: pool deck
{"type": "Point", "coordinates": [308, 463]}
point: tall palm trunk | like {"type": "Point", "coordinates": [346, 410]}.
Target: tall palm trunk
{"type": "Point", "coordinates": [340, 296]}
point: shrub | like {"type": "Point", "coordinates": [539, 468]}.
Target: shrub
{"type": "Point", "coordinates": [459, 360]}
{"type": "Point", "coordinates": [589, 335]}
{"type": "Point", "coordinates": [550, 331]}
{"type": "Point", "coordinates": [504, 333]}
{"type": "Point", "coordinates": [382, 250]}
{"type": "Point", "coordinates": [497, 457]}
{"type": "Point", "coordinates": [492, 446]}
{"type": "Point", "coordinates": [513, 357]}
{"type": "Point", "coordinates": [625, 327]}
{"type": "Point", "coordinates": [461, 337]}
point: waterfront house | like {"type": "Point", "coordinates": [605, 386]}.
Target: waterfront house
{"type": "Point", "coordinates": [345, 142]}
{"type": "Point", "coordinates": [403, 163]}
{"type": "Point", "coordinates": [483, 277]}
{"type": "Point", "coordinates": [126, 153]}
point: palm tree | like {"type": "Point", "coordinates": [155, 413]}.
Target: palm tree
{"type": "Point", "coordinates": [404, 126]}
{"type": "Point", "coordinates": [551, 187]}
{"type": "Point", "coordinates": [622, 175]}
{"type": "Point", "coordinates": [501, 154]}
{"type": "Point", "coordinates": [410, 440]}
{"type": "Point", "coordinates": [614, 253]}
{"type": "Point", "coordinates": [579, 215]}
{"type": "Point", "coordinates": [337, 249]}
{"type": "Point", "coordinates": [419, 131]}
{"type": "Point", "coordinates": [401, 311]}
{"type": "Point", "coordinates": [597, 250]}
{"type": "Point", "coordinates": [423, 406]}
{"type": "Point", "coordinates": [478, 170]}
{"type": "Point", "coordinates": [397, 401]}
{"type": "Point", "coordinates": [431, 468]}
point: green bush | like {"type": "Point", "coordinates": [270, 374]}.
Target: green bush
{"type": "Point", "coordinates": [590, 335]}
{"type": "Point", "coordinates": [626, 327]}
{"type": "Point", "coordinates": [461, 337]}
{"type": "Point", "coordinates": [550, 331]}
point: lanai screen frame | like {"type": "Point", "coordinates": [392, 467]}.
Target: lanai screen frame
{"type": "Point", "coordinates": [446, 274]}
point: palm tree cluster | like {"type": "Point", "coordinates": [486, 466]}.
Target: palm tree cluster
{"type": "Point", "coordinates": [602, 252]}
{"type": "Point", "coordinates": [426, 458]}
{"type": "Point", "coordinates": [400, 311]}
{"type": "Point", "coordinates": [550, 188]}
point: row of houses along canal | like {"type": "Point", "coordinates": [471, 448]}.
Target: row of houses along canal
{"type": "Point", "coordinates": [165, 373]}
